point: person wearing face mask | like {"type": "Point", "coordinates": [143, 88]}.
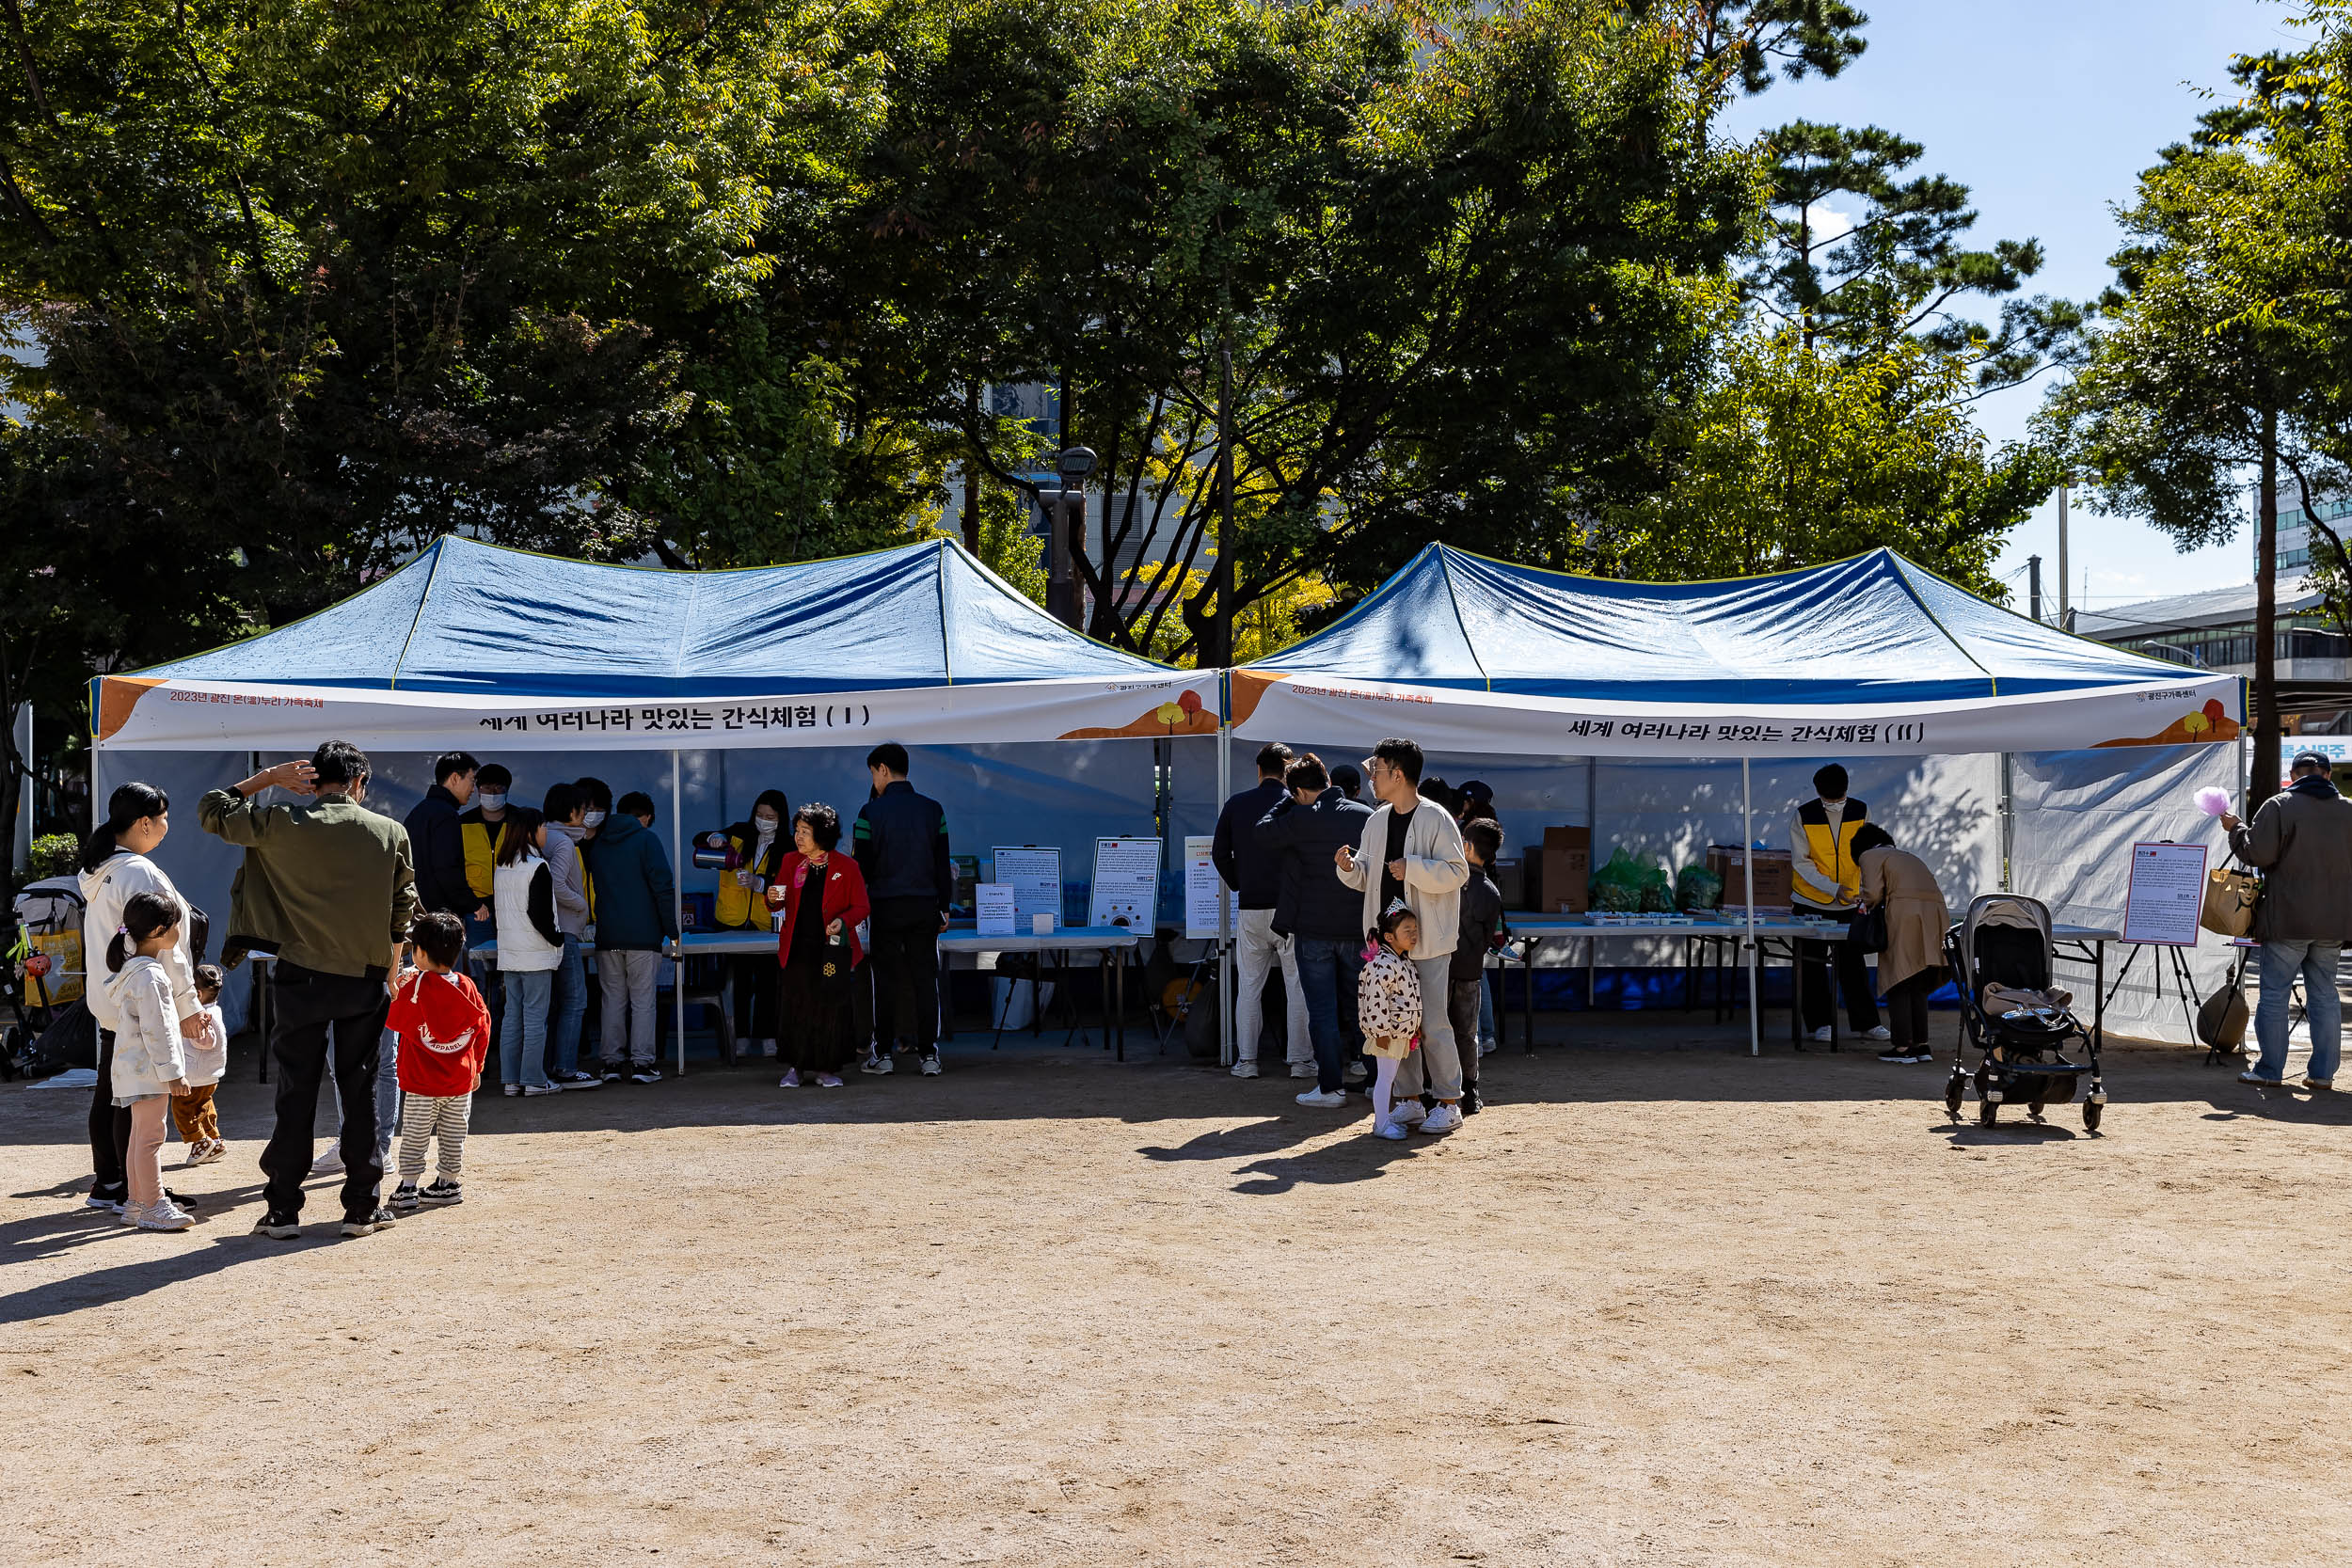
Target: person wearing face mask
{"type": "Point", "coordinates": [484, 829]}
{"type": "Point", "coordinates": [755, 847]}
{"type": "Point", "coordinates": [568, 871]}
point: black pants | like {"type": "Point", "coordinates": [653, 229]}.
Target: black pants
{"type": "Point", "coordinates": [309, 1009]}
{"type": "Point", "coordinates": [1907, 1007]}
{"type": "Point", "coordinates": [755, 976]}
{"type": "Point", "coordinates": [110, 1127]}
{"type": "Point", "coordinates": [1853, 978]}
{"type": "Point", "coordinates": [906, 970]}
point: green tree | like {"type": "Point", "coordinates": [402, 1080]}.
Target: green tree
{"type": "Point", "coordinates": [1789, 457]}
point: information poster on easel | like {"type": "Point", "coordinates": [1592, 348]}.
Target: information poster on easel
{"type": "Point", "coordinates": [1034, 874]}
{"type": "Point", "coordinates": [1203, 887]}
{"type": "Point", "coordinates": [1126, 883]}
{"type": "Point", "coordinates": [2168, 891]}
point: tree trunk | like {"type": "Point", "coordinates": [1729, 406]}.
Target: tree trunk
{"type": "Point", "coordinates": [2262, 780]}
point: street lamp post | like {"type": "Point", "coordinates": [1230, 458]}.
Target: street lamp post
{"type": "Point", "coordinates": [1070, 519]}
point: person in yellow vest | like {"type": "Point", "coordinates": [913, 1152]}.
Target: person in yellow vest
{"type": "Point", "coordinates": [484, 827]}
{"type": "Point", "coordinates": [1825, 879]}
{"type": "Point", "coordinates": [757, 845]}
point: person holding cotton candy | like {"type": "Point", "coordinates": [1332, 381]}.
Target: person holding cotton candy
{"type": "Point", "coordinates": [2302, 839]}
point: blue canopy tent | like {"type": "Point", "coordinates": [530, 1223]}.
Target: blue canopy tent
{"type": "Point", "coordinates": [1872, 656]}
{"type": "Point", "coordinates": [470, 645]}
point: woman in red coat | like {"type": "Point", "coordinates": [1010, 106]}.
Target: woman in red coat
{"type": "Point", "coordinates": [822, 898]}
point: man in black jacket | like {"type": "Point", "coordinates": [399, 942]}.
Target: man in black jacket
{"type": "Point", "coordinates": [1318, 913]}
{"type": "Point", "coordinates": [437, 843]}
{"type": "Point", "coordinates": [1482, 917]}
{"type": "Point", "coordinates": [1255, 876]}
{"type": "Point", "coordinates": [900, 842]}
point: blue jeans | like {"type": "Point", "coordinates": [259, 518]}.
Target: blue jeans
{"type": "Point", "coordinates": [570, 1007]}
{"type": "Point", "coordinates": [2316, 963]}
{"type": "Point", "coordinates": [523, 1035]}
{"type": "Point", "coordinates": [1327, 972]}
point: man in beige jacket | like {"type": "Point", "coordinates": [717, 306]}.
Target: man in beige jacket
{"type": "Point", "coordinates": [1415, 854]}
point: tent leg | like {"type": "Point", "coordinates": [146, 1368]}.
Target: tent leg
{"type": "Point", "coordinates": [677, 911]}
{"type": "Point", "coordinates": [1747, 870]}
{"type": "Point", "coordinates": [1224, 912]}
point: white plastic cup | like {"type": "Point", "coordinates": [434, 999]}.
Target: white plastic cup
{"type": "Point", "coordinates": [1041, 922]}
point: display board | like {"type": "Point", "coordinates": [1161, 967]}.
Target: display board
{"type": "Point", "coordinates": [1126, 883]}
{"type": "Point", "coordinates": [1204, 890]}
{"type": "Point", "coordinates": [1034, 873]}
{"type": "Point", "coordinates": [2168, 891]}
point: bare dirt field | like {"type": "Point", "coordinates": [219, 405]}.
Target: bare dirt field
{"type": "Point", "coordinates": [1660, 1304]}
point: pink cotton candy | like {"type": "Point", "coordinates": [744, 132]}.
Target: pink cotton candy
{"type": "Point", "coordinates": [2213, 801]}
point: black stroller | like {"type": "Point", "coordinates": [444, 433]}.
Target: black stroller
{"type": "Point", "coordinates": [2005, 941]}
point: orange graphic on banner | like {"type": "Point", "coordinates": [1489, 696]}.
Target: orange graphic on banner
{"type": "Point", "coordinates": [2210, 722]}
{"type": "Point", "coordinates": [117, 696]}
{"type": "Point", "coordinates": [1186, 714]}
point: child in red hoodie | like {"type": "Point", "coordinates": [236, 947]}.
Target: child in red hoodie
{"type": "Point", "coordinates": [444, 1037]}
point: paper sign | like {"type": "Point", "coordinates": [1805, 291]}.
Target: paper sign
{"type": "Point", "coordinates": [1126, 883]}
{"type": "Point", "coordinates": [1034, 874]}
{"type": "Point", "coordinates": [2168, 891]}
{"type": "Point", "coordinates": [994, 902]}
{"type": "Point", "coordinates": [1204, 890]}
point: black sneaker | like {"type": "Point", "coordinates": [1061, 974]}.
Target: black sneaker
{"type": "Point", "coordinates": [611, 1073]}
{"type": "Point", "coordinates": [648, 1074]}
{"type": "Point", "coordinates": [404, 1199]}
{"type": "Point", "coordinates": [181, 1199]}
{"type": "Point", "coordinates": [580, 1081]}
{"type": "Point", "coordinates": [1897, 1053]}
{"type": "Point", "coordinates": [110, 1201]}
{"type": "Point", "coordinates": [278, 1226]}
{"type": "Point", "coordinates": [1471, 1104]}
{"type": "Point", "coordinates": [443, 1191]}
{"type": "Point", "coordinates": [367, 1224]}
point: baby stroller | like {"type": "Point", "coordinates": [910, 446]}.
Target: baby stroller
{"type": "Point", "coordinates": [2005, 942]}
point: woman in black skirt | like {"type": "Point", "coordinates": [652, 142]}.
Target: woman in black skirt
{"type": "Point", "coordinates": [822, 898]}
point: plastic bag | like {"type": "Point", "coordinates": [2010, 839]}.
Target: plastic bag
{"type": "Point", "coordinates": [1697, 888]}
{"type": "Point", "coordinates": [1628, 886]}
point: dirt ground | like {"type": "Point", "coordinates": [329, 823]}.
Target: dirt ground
{"type": "Point", "coordinates": [1660, 1304]}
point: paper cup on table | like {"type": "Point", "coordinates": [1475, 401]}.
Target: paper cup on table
{"type": "Point", "coordinates": [1041, 922]}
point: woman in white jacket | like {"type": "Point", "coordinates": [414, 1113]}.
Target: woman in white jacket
{"type": "Point", "coordinates": [530, 949]}
{"type": "Point", "coordinates": [149, 1065]}
{"type": "Point", "coordinates": [116, 869]}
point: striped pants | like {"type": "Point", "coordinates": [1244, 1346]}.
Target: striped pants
{"type": "Point", "coordinates": [422, 1116]}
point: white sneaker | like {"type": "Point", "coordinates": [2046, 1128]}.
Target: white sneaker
{"type": "Point", "coordinates": [766, 1048]}
{"type": "Point", "coordinates": [163, 1215]}
{"type": "Point", "coordinates": [1881, 1033]}
{"type": "Point", "coordinates": [533, 1090]}
{"type": "Point", "coordinates": [329, 1160]}
{"type": "Point", "coordinates": [1323, 1101]}
{"type": "Point", "coordinates": [828, 1081]}
{"type": "Point", "coordinates": [1392, 1131]}
{"type": "Point", "coordinates": [1303, 1070]}
{"type": "Point", "coordinates": [880, 1067]}
{"type": "Point", "coordinates": [514, 1091]}
{"type": "Point", "coordinates": [1245, 1070]}
{"type": "Point", "coordinates": [1820, 1035]}
{"type": "Point", "coordinates": [930, 1065]}
{"type": "Point", "coordinates": [1445, 1119]}
{"type": "Point", "coordinates": [1411, 1113]}
{"type": "Point", "coordinates": [1486, 1048]}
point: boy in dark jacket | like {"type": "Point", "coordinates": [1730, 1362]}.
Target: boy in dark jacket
{"type": "Point", "coordinates": [1482, 920]}
{"type": "Point", "coordinates": [636, 913]}
{"type": "Point", "coordinates": [436, 842]}
{"type": "Point", "coordinates": [1320, 914]}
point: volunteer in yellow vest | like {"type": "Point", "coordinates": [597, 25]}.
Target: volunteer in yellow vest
{"type": "Point", "coordinates": [758, 846]}
{"type": "Point", "coordinates": [483, 829]}
{"type": "Point", "coordinates": [1825, 881]}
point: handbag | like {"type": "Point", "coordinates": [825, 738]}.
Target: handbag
{"type": "Point", "coordinates": [2222, 1019]}
{"type": "Point", "coordinates": [2230, 896]}
{"type": "Point", "coordinates": [1868, 929]}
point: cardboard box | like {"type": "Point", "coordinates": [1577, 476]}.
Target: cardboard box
{"type": "Point", "coordinates": [1559, 876]}
{"type": "Point", "coordinates": [1773, 875]}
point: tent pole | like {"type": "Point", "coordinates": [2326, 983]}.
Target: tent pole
{"type": "Point", "coordinates": [1747, 870]}
{"type": "Point", "coordinates": [677, 908]}
{"type": "Point", "coordinates": [1224, 909]}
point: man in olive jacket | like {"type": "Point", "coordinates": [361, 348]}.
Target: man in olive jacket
{"type": "Point", "coordinates": [2301, 840]}
{"type": "Point", "coordinates": [341, 880]}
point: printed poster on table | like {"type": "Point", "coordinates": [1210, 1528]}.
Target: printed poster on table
{"type": "Point", "coordinates": [1126, 883]}
{"type": "Point", "coordinates": [1034, 874]}
{"type": "Point", "coordinates": [2168, 892]}
{"type": "Point", "coordinates": [993, 904]}
{"type": "Point", "coordinates": [1204, 890]}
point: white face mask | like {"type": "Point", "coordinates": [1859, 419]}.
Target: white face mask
{"type": "Point", "coordinates": [492, 801]}
{"type": "Point", "coordinates": [766, 826]}
{"type": "Point", "coordinates": [593, 819]}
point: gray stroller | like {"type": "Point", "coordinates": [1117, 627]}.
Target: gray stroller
{"type": "Point", "coordinates": [2005, 941]}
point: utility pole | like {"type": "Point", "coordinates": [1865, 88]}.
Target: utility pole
{"type": "Point", "coordinates": [2033, 593]}
{"type": "Point", "coordinates": [1223, 653]}
{"type": "Point", "coordinates": [2066, 619]}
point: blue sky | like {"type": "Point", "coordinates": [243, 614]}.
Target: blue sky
{"type": "Point", "coordinates": [2048, 111]}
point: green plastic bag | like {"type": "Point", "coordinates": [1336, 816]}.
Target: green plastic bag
{"type": "Point", "coordinates": [1697, 888]}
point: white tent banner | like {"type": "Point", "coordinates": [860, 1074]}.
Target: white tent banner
{"type": "Point", "coordinates": [2196, 708]}
{"type": "Point", "coordinates": [179, 715]}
